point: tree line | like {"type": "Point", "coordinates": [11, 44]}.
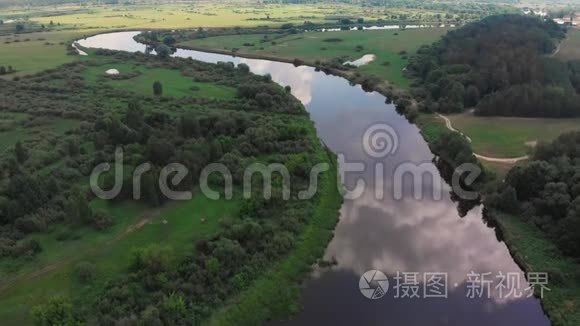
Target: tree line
{"type": "Point", "coordinates": [6, 70]}
{"type": "Point", "coordinates": [546, 192]}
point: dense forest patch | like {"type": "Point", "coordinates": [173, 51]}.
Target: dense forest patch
{"type": "Point", "coordinates": [500, 66]}
{"type": "Point", "coordinates": [546, 192]}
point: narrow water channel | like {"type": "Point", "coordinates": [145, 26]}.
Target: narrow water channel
{"type": "Point", "coordinates": [405, 235]}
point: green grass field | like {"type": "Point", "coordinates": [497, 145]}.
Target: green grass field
{"type": "Point", "coordinates": [35, 52]}
{"type": "Point", "coordinates": [510, 137]}
{"type": "Point", "coordinates": [210, 14]}
{"type": "Point", "coordinates": [49, 273]}
{"type": "Point", "coordinates": [570, 48]}
{"type": "Point", "coordinates": [311, 46]}
{"type": "Point", "coordinates": [174, 83]}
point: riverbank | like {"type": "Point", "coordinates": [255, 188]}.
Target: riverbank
{"type": "Point", "coordinates": [281, 285]}
{"type": "Point", "coordinates": [533, 252]}
{"type": "Point", "coordinates": [381, 86]}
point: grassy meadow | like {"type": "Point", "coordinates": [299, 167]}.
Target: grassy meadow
{"type": "Point", "coordinates": [136, 226]}
{"type": "Point", "coordinates": [29, 53]}
{"type": "Point", "coordinates": [139, 79]}
{"type": "Point", "coordinates": [505, 137]}
{"type": "Point", "coordinates": [209, 14]}
{"type": "Point", "coordinates": [391, 48]}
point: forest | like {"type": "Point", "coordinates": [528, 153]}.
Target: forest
{"type": "Point", "coordinates": [500, 66]}
{"type": "Point", "coordinates": [546, 192]}
{"type": "Point", "coordinates": [45, 179]}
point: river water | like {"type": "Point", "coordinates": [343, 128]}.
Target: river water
{"type": "Point", "coordinates": [389, 233]}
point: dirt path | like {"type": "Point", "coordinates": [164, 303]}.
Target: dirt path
{"type": "Point", "coordinates": [139, 224]}
{"type": "Point", "coordinates": [511, 160]}
{"type": "Point", "coordinates": [557, 49]}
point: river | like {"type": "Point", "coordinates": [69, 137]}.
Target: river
{"type": "Point", "coordinates": [403, 235]}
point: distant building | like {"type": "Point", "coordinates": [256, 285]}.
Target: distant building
{"type": "Point", "coordinates": [536, 12]}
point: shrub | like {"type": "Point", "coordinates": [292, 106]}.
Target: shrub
{"type": "Point", "coordinates": [101, 220]}
{"type": "Point", "coordinates": [332, 40]}
{"type": "Point", "coordinates": [57, 311]}
{"type": "Point", "coordinates": [157, 88]}
{"type": "Point", "coordinates": [85, 272]}
{"type": "Point", "coordinates": [297, 62]}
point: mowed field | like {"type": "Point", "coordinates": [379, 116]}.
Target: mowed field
{"type": "Point", "coordinates": [391, 48]}
{"type": "Point", "coordinates": [29, 53]}
{"type": "Point", "coordinates": [505, 137]}
{"type": "Point", "coordinates": [208, 14]}
{"type": "Point", "coordinates": [570, 48]}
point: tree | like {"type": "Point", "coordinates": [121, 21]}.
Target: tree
{"type": "Point", "coordinates": [85, 272]}
{"type": "Point", "coordinates": [244, 67]}
{"type": "Point", "coordinates": [19, 27]}
{"type": "Point", "coordinates": [77, 208]}
{"type": "Point", "coordinates": [159, 151]}
{"type": "Point", "coordinates": [134, 117]}
{"type": "Point", "coordinates": [150, 189]}
{"type": "Point", "coordinates": [2, 70]}
{"type": "Point", "coordinates": [507, 200]}
{"type": "Point", "coordinates": [20, 152]}
{"type": "Point", "coordinates": [471, 96]}
{"type": "Point", "coordinates": [189, 126]}
{"type": "Point", "coordinates": [26, 192]}
{"type": "Point", "coordinates": [153, 259]}
{"type": "Point", "coordinates": [73, 147]}
{"type": "Point", "coordinates": [169, 40]}
{"type": "Point", "coordinates": [157, 88]}
{"type": "Point", "coordinates": [163, 51]}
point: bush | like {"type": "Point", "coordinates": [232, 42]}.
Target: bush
{"type": "Point", "coordinates": [244, 67]}
{"type": "Point", "coordinates": [85, 272]}
{"type": "Point", "coordinates": [297, 62]}
{"type": "Point", "coordinates": [101, 220]}
{"type": "Point", "coordinates": [157, 88]}
{"type": "Point", "coordinates": [57, 311]}
{"type": "Point", "coordinates": [154, 259]}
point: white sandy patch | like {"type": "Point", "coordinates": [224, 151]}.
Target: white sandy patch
{"type": "Point", "coordinates": [365, 59]}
